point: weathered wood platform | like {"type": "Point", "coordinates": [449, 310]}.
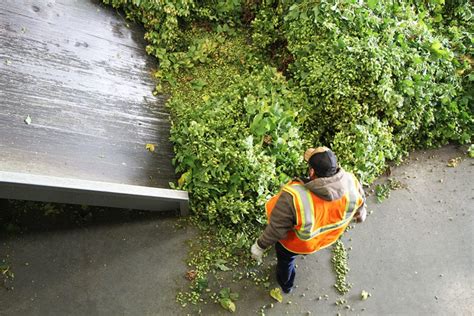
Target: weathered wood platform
{"type": "Point", "coordinates": [80, 72]}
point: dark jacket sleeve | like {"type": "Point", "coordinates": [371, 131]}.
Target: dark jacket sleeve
{"type": "Point", "coordinates": [282, 220]}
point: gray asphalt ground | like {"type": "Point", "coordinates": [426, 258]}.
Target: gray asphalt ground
{"type": "Point", "coordinates": [414, 254]}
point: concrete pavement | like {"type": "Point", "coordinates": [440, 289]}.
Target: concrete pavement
{"type": "Point", "coordinates": [414, 254]}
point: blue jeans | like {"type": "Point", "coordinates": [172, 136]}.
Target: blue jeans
{"type": "Point", "coordinates": [285, 267]}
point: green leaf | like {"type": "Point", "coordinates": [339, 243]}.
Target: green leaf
{"type": "Point", "coordinates": [438, 18]}
{"type": "Point", "coordinates": [372, 4]}
{"type": "Point", "coordinates": [417, 60]}
{"type": "Point", "coordinates": [382, 192]}
{"type": "Point", "coordinates": [198, 84]}
{"type": "Point", "coordinates": [437, 48]}
{"type": "Point", "coordinates": [220, 264]}
{"type": "Point", "coordinates": [276, 294]}
{"type": "Point", "coordinates": [224, 293]}
{"type": "Point", "coordinates": [364, 295]}
{"type": "Point", "coordinates": [150, 147]}
{"type": "Point", "coordinates": [201, 284]}
{"type": "Point", "coordinates": [471, 151]}
{"type": "Point", "coordinates": [227, 304]}
{"type": "Point", "coordinates": [223, 267]}
{"type": "Point", "coordinates": [436, 45]}
{"type": "Point", "coordinates": [293, 13]}
{"type": "Point", "coordinates": [259, 125]}
{"type": "Point", "coordinates": [234, 296]}
{"type": "Point", "coordinates": [185, 177]}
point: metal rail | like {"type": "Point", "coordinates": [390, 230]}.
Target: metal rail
{"type": "Point", "coordinates": [24, 186]}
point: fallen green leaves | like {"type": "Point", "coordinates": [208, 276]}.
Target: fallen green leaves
{"type": "Point", "coordinates": [454, 162]}
{"type": "Point", "coordinates": [7, 275]}
{"type": "Point", "coordinates": [339, 261]}
{"type": "Point", "coordinates": [364, 295]}
{"type": "Point", "coordinates": [227, 304]}
{"type": "Point", "coordinates": [382, 191]}
{"type": "Point", "coordinates": [220, 264]}
{"type": "Point", "coordinates": [227, 298]}
{"type": "Point", "coordinates": [150, 147]}
{"type": "Point", "coordinates": [276, 294]}
{"type": "Point", "coordinates": [5, 270]}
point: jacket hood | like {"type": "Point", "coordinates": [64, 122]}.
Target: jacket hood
{"type": "Point", "coordinates": [329, 188]}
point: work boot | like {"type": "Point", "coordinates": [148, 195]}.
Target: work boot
{"type": "Point", "coordinates": [287, 291]}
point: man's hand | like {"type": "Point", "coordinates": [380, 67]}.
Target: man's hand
{"type": "Point", "coordinates": [257, 252]}
{"type": "Point", "coordinates": [361, 215]}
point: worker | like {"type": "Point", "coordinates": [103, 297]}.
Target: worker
{"type": "Point", "coordinates": [309, 214]}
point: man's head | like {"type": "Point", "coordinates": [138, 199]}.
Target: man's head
{"type": "Point", "coordinates": [322, 161]}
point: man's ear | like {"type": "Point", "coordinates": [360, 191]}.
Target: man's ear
{"type": "Point", "coordinates": [311, 173]}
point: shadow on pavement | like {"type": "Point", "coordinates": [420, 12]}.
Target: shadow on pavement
{"type": "Point", "coordinates": [25, 217]}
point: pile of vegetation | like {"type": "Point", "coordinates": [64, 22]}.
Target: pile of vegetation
{"type": "Point", "coordinates": [252, 83]}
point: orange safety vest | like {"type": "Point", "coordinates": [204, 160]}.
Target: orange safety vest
{"type": "Point", "coordinates": [319, 223]}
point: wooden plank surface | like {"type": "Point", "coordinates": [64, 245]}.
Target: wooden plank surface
{"type": "Point", "coordinates": [80, 71]}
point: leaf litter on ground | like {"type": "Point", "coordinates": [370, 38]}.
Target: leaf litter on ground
{"type": "Point", "coordinates": [150, 147]}
{"type": "Point", "coordinates": [364, 295]}
{"type": "Point", "coordinates": [454, 162]}
{"type": "Point", "coordinates": [28, 120]}
{"type": "Point", "coordinates": [227, 298]}
{"type": "Point", "coordinates": [276, 294]}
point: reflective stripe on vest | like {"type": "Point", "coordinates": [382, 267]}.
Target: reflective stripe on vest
{"type": "Point", "coordinates": [307, 213]}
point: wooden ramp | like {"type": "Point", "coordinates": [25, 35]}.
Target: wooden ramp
{"type": "Point", "coordinates": [79, 71]}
